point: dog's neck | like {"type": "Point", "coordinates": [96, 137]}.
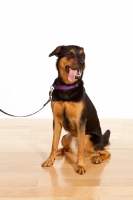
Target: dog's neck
{"type": "Point", "coordinates": [59, 85]}
{"type": "Point", "coordinates": [65, 87]}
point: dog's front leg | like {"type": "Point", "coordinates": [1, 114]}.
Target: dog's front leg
{"type": "Point", "coordinates": [80, 158]}
{"type": "Point", "coordinates": [57, 126]}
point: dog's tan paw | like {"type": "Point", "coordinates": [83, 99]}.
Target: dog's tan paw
{"type": "Point", "coordinates": [96, 159]}
{"type": "Point", "coordinates": [48, 162]}
{"type": "Point", "coordinates": [61, 151]}
{"type": "Point", "coordinates": [80, 169]}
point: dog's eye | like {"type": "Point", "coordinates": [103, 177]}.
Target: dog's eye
{"type": "Point", "coordinates": [70, 55]}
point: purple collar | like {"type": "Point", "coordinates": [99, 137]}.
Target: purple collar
{"type": "Point", "coordinates": [65, 87]}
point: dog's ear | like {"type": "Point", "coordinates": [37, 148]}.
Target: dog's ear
{"type": "Point", "coordinates": [56, 52]}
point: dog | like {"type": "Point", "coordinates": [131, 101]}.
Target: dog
{"type": "Point", "coordinates": [74, 111]}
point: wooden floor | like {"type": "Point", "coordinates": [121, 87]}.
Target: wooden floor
{"type": "Point", "coordinates": [26, 143]}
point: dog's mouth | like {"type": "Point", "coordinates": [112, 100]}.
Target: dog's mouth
{"type": "Point", "coordinates": [73, 73]}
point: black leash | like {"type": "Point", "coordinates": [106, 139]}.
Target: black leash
{"type": "Point", "coordinates": [50, 98]}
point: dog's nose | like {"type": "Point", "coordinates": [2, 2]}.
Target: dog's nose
{"type": "Point", "coordinates": [81, 63]}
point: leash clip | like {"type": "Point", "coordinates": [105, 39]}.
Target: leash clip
{"type": "Point", "coordinates": [51, 92]}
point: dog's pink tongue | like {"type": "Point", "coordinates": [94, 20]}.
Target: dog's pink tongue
{"type": "Point", "coordinates": [71, 75]}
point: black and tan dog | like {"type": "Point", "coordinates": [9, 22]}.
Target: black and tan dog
{"type": "Point", "coordinates": [73, 110]}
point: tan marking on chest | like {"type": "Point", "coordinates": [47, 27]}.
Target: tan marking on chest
{"type": "Point", "coordinates": [68, 114]}
{"type": "Point", "coordinates": [58, 108]}
{"type": "Point", "coordinates": [72, 110]}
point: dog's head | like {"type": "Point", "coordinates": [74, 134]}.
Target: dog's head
{"type": "Point", "coordinates": [70, 63]}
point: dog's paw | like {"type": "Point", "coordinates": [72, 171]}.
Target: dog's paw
{"type": "Point", "coordinates": [61, 151]}
{"type": "Point", "coordinates": [96, 159]}
{"type": "Point", "coordinates": [80, 169]}
{"type": "Point", "coordinates": [48, 162]}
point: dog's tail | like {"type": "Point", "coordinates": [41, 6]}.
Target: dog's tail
{"type": "Point", "coordinates": [101, 141]}
{"type": "Point", "coordinates": [106, 137]}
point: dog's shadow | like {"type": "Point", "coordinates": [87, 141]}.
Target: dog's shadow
{"type": "Point", "coordinates": [71, 159]}
{"type": "Point", "coordinates": [63, 172]}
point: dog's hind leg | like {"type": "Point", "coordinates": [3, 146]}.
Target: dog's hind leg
{"type": "Point", "coordinates": [61, 151]}
{"type": "Point", "coordinates": [69, 143]}
{"type": "Point", "coordinates": [102, 155]}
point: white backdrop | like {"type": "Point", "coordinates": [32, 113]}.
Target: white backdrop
{"type": "Point", "coordinates": [31, 29]}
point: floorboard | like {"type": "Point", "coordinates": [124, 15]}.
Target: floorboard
{"type": "Point", "coordinates": [26, 143]}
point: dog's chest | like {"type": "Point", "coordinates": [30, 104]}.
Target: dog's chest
{"type": "Point", "coordinates": [69, 113]}
{"type": "Point", "coordinates": [70, 109]}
